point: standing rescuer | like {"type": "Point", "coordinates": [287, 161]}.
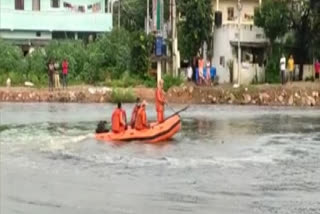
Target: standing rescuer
{"type": "Point", "coordinates": [118, 123]}
{"type": "Point", "coordinates": [160, 102]}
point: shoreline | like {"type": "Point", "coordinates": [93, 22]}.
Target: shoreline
{"type": "Point", "coordinates": [296, 94]}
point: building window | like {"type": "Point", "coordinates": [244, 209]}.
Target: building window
{"type": "Point", "coordinates": [19, 4]}
{"type": "Point", "coordinates": [36, 5]}
{"type": "Point", "coordinates": [38, 34]}
{"type": "Point", "coordinates": [230, 13]}
{"type": "Point", "coordinates": [55, 3]}
{"type": "Point", "coordinates": [222, 61]}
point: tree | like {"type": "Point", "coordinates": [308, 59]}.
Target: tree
{"type": "Point", "coordinates": [196, 28]}
{"type": "Point", "coordinates": [134, 12]}
{"type": "Point", "coordinates": [301, 23]}
{"type": "Point", "coordinates": [272, 17]}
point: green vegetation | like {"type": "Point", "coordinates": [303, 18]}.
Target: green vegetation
{"type": "Point", "coordinates": [122, 95]}
{"type": "Point", "coordinates": [293, 26]}
{"type": "Point", "coordinates": [119, 58]}
{"type": "Point", "coordinates": [170, 81]}
{"type": "Point", "coordinates": [196, 27]}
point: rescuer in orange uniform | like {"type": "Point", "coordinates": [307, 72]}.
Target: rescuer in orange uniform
{"type": "Point", "coordinates": [160, 101]}
{"type": "Point", "coordinates": [141, 120]}
{"type": "Point", "coordinates": [135, 112]}
{"type": "Point", "coordinates": [117, 119]}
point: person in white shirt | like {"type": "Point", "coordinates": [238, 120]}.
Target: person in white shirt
{"type": "Point", "coordinates": [189, 72]}
{"type": "Point", "coordinates": [283, 69]}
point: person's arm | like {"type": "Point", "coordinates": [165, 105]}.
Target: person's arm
{"type": "Point", "coordinates": [160, 96]}
{"type": "Point", "coordinates": [121, 119]}
{"type": "Point", "coordinates": [144, 120]}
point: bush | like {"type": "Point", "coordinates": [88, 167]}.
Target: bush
{"type": "Point", "coordinates": [120, 55]}
{"type": "Point", "coordinates": [122, 95]}
{"type": "Point", "coordinates": [140, 51]}
{"type": "Point", "coordinates": [12, 63]}
{"type": "Point", "coordinates": [170, 81]}
{"type": "Point", "coordinates": [74, 51]}
{"type": "Point", "coordinates": [37, 71]}
{"type": "Point", "coordinates": [272, 71]}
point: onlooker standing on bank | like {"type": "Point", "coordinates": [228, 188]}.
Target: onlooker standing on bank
{"type": "Point", "coordinates": [56, 75]}
{"type": "Point", "coordinates": [291, 68]}
{"type": "Point", "coordinates": [50, 74]}
{"type": "Point", "coordinates": [65, 67]}
{"type": "Point", "coordinates": [317, 69]}
{"type": "Point", "coordinates": [283, 69]}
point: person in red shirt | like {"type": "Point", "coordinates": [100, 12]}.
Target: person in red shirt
{"type": "Point", "coordinates": [135, 112]}
{"type": "Point", "coordinates": [201, 66]}
{"type": "Point", "coordinates": [141, 121]}
{"type": "Point", "coordinates": [317, 69]}
{"type": "Point", "coordinates": [118, 123]}
{"type": "Point", "coordinates": [160, 102]}
{"type": "Point", "coordinates": [65, 67]}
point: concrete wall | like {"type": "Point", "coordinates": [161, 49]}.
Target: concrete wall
{"type": "Point", "coordinates": [250, 73]}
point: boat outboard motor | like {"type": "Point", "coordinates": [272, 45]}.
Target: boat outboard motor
{"type": "Point", "coordinates": [101, 128]}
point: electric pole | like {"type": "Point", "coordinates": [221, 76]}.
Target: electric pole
{"type": "Point", "coordinates": [119, 13]}
{"type": "Point", "coordinates": [173, 38]}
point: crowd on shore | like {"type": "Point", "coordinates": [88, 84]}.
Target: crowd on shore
{"type": "Point", "coordinates": [54, 73]}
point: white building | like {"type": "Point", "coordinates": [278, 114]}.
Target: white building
{"type": "Point", "coordinates": [225, 46]}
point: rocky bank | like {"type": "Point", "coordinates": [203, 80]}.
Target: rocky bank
{"type": "Point", "coordinates": [296, 94]}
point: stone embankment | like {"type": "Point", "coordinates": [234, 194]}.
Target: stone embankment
{"type": "Point", "coordinates": [297, 94]}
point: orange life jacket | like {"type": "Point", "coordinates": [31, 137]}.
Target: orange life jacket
{"type": "Point", "coordinates": [117, 122]}
{"type": "Point", "coordinates": [160, 101]}
{"type": "Point", "coordinates": [141, 120]}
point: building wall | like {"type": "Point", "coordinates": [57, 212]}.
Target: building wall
{"type": "Point", "coordinates": [223, 52]}
{"type": "Point", "coordinates": [25, 34]}
{"type": "Point", "coordinates": [247, 9]}
{"type": "Point", "coordinates": [50, 19]}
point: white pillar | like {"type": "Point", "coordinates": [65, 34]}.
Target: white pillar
{"type": "Point", "coordinates": [239, 46]}
{"type": "Point", "coordinates": [217, 4]}
{"type": "Point", "coordinates": [260, 2]}
{"type": "Point", "coordinates": [158, 70]}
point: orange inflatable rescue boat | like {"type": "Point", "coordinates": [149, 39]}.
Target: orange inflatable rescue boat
{"type": "Point", "coordinates": [156, 133]}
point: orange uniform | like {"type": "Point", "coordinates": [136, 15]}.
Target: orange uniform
{"type": "Point", "coordinates": [124, 116]}
{"type": "Point", "coordinates": [118, 124]}
{"type": "Point", "coordinates": [141, 120]}
{"type": "Point", "coordinates": [134, 115]}
{"type": "Point", "coordinates": [160, 101]}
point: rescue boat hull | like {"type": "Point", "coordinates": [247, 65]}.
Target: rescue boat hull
{"type": "Point", "coordinates": [156, 133]}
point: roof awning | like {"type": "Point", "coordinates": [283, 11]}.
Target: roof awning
{"type": "Point", "coordinates": [250, 44]}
